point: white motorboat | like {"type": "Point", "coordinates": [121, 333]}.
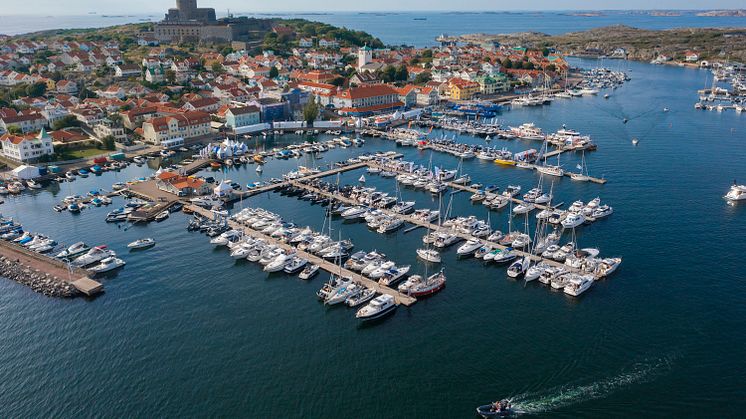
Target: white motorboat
{"type": "Point", "coordinates": [106, 265]}
{"type": "Point", "coordinates": [92, 256]}
{"type": "Point", "coordinates": [523, 208]}
{"type": "Point", "coordinates": [279, 262]}
{"type": "Point", "coordinates": [73, 250]}
{"type": "Point", "coordinates": [736, 193]}
{"type": "Point", "coordinates": [533, 272]}
{"type": "Point", "coordinates": [429, 255]}
{"type": "Point", "coordinates": [382, 269]}
{"type": "Point", "coordinates": [377, 308]}
{"type": "Point", "coordinates": [469, 247]}
{"type": "Point", "coordinates": [225, 237]}
{"type": "Point", "coordinates": [607, 266]}
{"type": "Point", "coordinates": [162, 216]}
{"type": "Point", "coordinates": [295, 265]}
{"type": "Point", "coordinates": [519, 267]}
{"type": "Point", "coordinates": [551, 170]}
{"type": "Point", "coordinates": [354, 213]}
{"type": "Point", "coordinates": [602, 211]}
{"type": "Point", "coordinates": [393, 275]}
{"type": "Point", "coordinates": [141, 243]}
{"type": "Point", "coordinates": [573, 220]}
{"type": "Point", "coordinates": [308, 272]}
{"type": "Point", "coordinates": [361, 297]}
{"type": "Point", "coordinates": [577, 284]}
{"type": "Point", "coordinates": [391, 224]}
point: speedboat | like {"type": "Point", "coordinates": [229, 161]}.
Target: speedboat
{"type": "Point", "coordinates": [377, 308]}
{"type": "Point", "coordinates": [602, 211]}
{"type": "Point", "coordinates": [278, 263]}
{"type": "Point", "coordinates": [162, 216]}
{"type": "Point", "coordinates": [94, 255]}
{"type": "Point", "coordinates": [141, 243]}
{"type": "Point", "coordinates": [295, 265]}
{"type": "Point", "coordinates": [469, 247]}
{"type": "Point", "coordinates": [535, 271]}
{"type": "Point", "coordinates": [72, 251]}
{"type": "Point", "coordinates": [309, 272]}
{"type": "Point", "coordinates": [354, 213]}
{"type": "Point", "coordinates": [496, 409]}
{"type": "Point", "coordinates": [523, 208]}
{"type": "Point", "coordinates": [393, 275]}
{"type": "Point", "coordinates": [362, 296]}
{"type": "Point", "coordinates": [382, 269]}
{"type": "Point", "coordinates": [736, 193]}
{"type": "Point", "coordinates": [519, 267]}
{"type": "Point", "coordinates": [107, 264]}
{"type": "Point", "coordinates": [505, 256]}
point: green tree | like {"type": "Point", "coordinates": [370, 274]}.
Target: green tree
{"type": "Point", "coordinates": [311, 110]}
{"type": "Point", "coordinates": [528, 65]}
{"type": "Point", "coordinates": [428, 53]}
{"type": "Point", "coordinates": [506, 63]}
{"type": "Point", "coordinates": [545, 51]}
{"type": "Point", "coordinates": [551, 67]}
{"type": "Point", "coordinates": [217, 67]}
{"type": "Point", "coordinates": [389, 74]}
{"type": "Point", "coordinates": [273, 72]}
{"type": "Point", "coordinates": [170, 76]}
{"type": "Point", "coordinates": [36, 89]}
{"type": "Point", "coordinates": [422, 78]}
{"type": "Point", "coordinates": [108, 142]}
{"type": "Point", "coordinates": [339, 81]}
{"type": "Point", "coordinates": [14, 130]}
{"type": "Point", "coordinates": [401, 73]}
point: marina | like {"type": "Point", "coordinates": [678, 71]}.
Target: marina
{"type": "Point", "coordinates": [638, 326]}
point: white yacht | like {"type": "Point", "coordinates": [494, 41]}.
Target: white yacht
{"type": "Point", "coordinates": [377, 308]}
{"type": "Point", "coordinates": [577, 284]}
{"type": "Point", "coordinates": [72, 251]}
{"type": "Point", "coordinates": [573, 220]}
{"type": "Point", "coordinates": [94, 255]}
{"type": "Point", "coordinates": [354, 213]}
{"type": "Point", "coordinates": [736, 193]}
{"type": "Point", "coordinates": [141, 243]}
{"type": "Point", "coordinates": [107, 264]}
{"type": "Point", "coordinates": [469, 247]}
{"type": "Point", "coordinates": [519, 267]}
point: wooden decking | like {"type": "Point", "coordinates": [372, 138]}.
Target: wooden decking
{"type": "Point", "coordinates": [322, 263]}
{"type": "Point", "coordinates": [425, 224]}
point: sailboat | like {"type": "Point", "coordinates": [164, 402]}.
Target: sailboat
{"type": "Point", "coordinates": [582, 176]}
{"type": "Point", "coordinates": [362, 179]}
{"type": "Point", "coordinates": [549, 169]}
{"type": "Point", "coordinates": [428, 253]}
{"type": "Point", "coordinates": [259, 168]}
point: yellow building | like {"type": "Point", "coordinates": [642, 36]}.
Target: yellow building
{"type": "Point", "coordinates": [460, 89]}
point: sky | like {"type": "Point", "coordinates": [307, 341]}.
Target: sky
{"type": "Point", "coordinates": [73, 7]}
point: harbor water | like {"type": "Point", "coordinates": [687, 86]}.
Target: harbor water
{"type": "Point", "coordinates": [184, 330]}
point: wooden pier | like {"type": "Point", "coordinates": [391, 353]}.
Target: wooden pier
{"type": "Point", "coordinates": [322, 263]}
{"type": "Point", "coordinates": [430, 226]}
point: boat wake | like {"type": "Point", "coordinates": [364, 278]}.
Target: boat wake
{"type": "Point", "coordinates": [566, 395]}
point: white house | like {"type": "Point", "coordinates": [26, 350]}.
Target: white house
{"type": "Point", "coordinates": [27, 148]}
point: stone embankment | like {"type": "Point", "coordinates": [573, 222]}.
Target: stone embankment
{"type": "Point", "coordinates": [38, 281]}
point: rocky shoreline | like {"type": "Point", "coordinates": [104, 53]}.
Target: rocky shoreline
{"type": "Point", "coordinates": [40, 282]}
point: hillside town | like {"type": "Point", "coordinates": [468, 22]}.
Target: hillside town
{"type": "Point", "coordinates": [71, 96]}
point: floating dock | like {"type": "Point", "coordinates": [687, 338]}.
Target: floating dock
{"type": "Point", "coordinates": [322, 263]}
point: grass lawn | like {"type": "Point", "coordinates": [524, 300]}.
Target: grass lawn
{"type": "Point", "coordinates": [82, 153]}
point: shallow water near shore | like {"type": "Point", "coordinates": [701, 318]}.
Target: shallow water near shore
{"type": "Point", "coordinates": [184, 330]}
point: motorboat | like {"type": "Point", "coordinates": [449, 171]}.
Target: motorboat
{"type": "Point", "coordinates": [354, 213]}
{"type": "Point", "coordinates": [362, 296]}
{"type": "Point", "coordinates": [73, 250]}
{"type": "Point", "coordinates": [736, 193]}
{"type": "Point", "coordinates": [162, 216]}
{"type": "Point", "coordinates": [141, 243]}
{"type": "Point", "coordinates": [523, 208]}
{"type": "Point", "coordinates": [94, 255]}
{"type": "Point", "coordinates": [469, 247]}
{"type": "Point", "coordinates": [519, 267]}
{"type": "Point", "coordinates": [296, 264]}
{"type": "Point", "coordinates": [602, 211]}
{"type": "Point", "coordinates": [607, 266]}
{"type": "Point", "coordinates": [309, 272]}
{"type": "Point", "coordinates": [393, 275]}
{"type": "Point", "coordinates": [279, 262]}
{"type": "Point", "coordinates": [403, 207]}
{"type": "Point", "coordinates": [106, 265]}
{"type": "Point", "coordinates": [576, 284]}
{"type": "Point", "coordinates": [499, 409]}
{"type": "Point", "coordinates": [382, 269]}
{"type": "Point", "coordinates": [391, 224]}
{"type": "Point", "coordinates": [226, 237]}
{"type": "Point", "coordinates": [429, 255]}
{"type": "Point", "coordinates": [573, 220]}
{"type": "Point", "coordinates": [377, 308]}
{"type": "Point", "coordinates": [533, 272]}
{"type": "Point", "coordinates": [505, 256]}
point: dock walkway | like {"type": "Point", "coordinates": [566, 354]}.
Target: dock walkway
{"type": "Point", "coordinates": [425, 224]}
{"type": "Point", "coordinates": [322, 263]}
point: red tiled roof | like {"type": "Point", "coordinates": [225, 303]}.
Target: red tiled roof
{"type": "Point", "coordinates": [366, 91]}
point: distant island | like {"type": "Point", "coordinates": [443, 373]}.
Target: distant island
{"type": "Point", "coordinates": [724, 13]}
{"type": "Point", "coordinates": [632, 43]}
{"type": "Point", "coordinates": [665, 13]}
